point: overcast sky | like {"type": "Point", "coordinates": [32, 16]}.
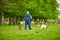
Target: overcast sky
{"type": "Point", "coordinates": [58, 1]}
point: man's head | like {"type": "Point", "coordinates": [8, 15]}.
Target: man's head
{"type": "Point", "coordinates": [27, 12]}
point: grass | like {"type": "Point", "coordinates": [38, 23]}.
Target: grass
{"type": "Point", "coordinates": [12, 32]}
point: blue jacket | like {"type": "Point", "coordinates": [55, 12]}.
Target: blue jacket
{"type": "Point", "coordinates": [27, 19]}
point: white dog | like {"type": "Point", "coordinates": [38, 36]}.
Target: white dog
{"type": "Point", "coordinates": [43, 26]}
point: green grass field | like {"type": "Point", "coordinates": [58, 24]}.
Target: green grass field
{"type": "Point", "coordinates": [12, 32]}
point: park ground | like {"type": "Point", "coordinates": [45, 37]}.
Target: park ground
{"type": "Point", "coordinates": [12, 32]}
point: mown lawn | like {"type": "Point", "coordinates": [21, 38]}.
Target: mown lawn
{"type": "Point", "coordinates": [12, 32]}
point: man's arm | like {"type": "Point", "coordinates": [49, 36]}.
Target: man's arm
{"type": "Point", "coordinates": [31, 17]}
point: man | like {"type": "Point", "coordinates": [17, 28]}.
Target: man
{"type": "Point", "coordinates": [58, 18]}
{"type": "Point", "coordinates": [27, 18]}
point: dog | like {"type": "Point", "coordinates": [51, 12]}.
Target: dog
{"type": "Point", "coordinates": [43, 26]}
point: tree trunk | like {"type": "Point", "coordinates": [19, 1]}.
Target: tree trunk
{"type": "Point", "coordinates": [10, 21]}
{"type": "Point", "coordinates": [14, 20]}
{"type": "Point", "coordinates": [2, 18]}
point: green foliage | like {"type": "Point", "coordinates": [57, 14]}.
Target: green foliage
{"type": "Point", "coordinates": [45, 9]}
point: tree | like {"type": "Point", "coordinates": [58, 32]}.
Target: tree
{"type": "Point", "coordinates": [39, 9]}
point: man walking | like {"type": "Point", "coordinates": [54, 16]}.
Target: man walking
{"type": "Point", "coordinates": [27, 18]}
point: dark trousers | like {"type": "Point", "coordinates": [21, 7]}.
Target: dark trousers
{"type": "Point", "coordinates": [26, 25]}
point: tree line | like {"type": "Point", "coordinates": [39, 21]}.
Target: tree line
{"type": "Point", "coordinates": [39, 9]}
